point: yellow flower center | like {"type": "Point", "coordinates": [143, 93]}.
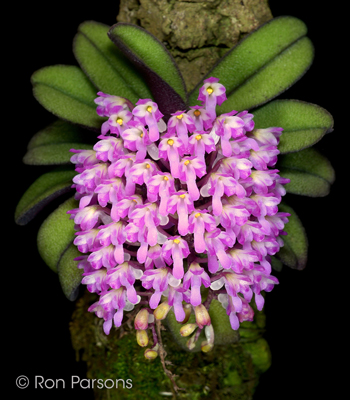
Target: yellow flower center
{"type": "Point", "coordinates": [210, 90]}
{"type": "Point", "coordinates": [166, 178]}
{"type": "Point", "coordinates": [199, 137]}
{"type": "Point", "coordinates": [177, 241]}
{"type": "Point", "coordinates": [170, 142]}
{"type": "Point", "coordinates": [197, 113]}
{"type": "Point", "coordinates": [149, 109]}
{"type": "Point", "coordinates": [182, 196]}
{"type": "Point", "coordinates": [148, 166]}
{"type": "Point", "coordinates": [119, 121]}
{"type": "Point", "coordinates": [197, 215]}
{"type": "Point", "coordinates": [141, 135]}
{"type": "Point", "coordinates": [186, 162]}
{"type": "Point", "coordinates": [179, 116]}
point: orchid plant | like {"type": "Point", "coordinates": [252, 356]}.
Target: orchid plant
{"type": "Point", "coordinates": [176, 200]}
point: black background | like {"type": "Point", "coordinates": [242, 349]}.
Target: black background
{"type": "Point", "coordinates": [305, 312]}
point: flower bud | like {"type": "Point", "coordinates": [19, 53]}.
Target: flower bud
{"type": "Point", "coordinates": [202, 316]}
{"type": "Point", "coordinates": [142, 338]}
{"type": "Point", "coordinates": [161, 311]}
{"type": "Point", "coordinates": [187, 329]}
{"type": "Point", "coordinates": [141, 319]}
{"type": "Point", "coordinates": [191, 343]}
{"type": "Point", "coordinates": [206, 347]}
{"type": "Point", "coordinates": [209, 333]}
{"type": "Point", "coordinates": [151, 354]}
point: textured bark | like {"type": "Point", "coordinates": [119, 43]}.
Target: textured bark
{"type": "Point", "coordinates": [197, 33]}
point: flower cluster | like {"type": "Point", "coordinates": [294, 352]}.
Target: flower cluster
{"type": "Point", "coordinates": [167, 209]}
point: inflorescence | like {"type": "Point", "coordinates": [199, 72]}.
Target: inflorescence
{"type": "Point", "coordinates": [167, 209]}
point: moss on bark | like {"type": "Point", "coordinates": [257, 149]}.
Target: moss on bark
{"type": "Point", "coordinates": [228, 371]}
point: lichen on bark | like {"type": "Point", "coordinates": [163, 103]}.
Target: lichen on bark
{"type": "Point", "coordinates": [197, 33]}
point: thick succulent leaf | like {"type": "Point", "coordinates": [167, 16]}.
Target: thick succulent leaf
{"type": "Point", "coordinates": [304, 123]}
{"type": "Point", "coordinates": [52, 154]}
{"type": "Point", "coordinates": [154, 62]}
{"type": "Point", "coordinates": [56, 234]}
{"type": "Point", "coordinates": [276, 264]}
{"type": "Point", "coordinates": [294, 252]}
{"type": "Point", "coordinates": [51, 145]}
{"type": "Point", "coordinates": [105, 65]}
{"type": "Point", "coordinates": [310, 173]}
{"type": "Point", "coordinates": [265, 63]}
{"type": "Point", "coordinates": [61, 132]}
{"type": "Point", "coordinates": [45, 189]}
{"type": "Point", "coordinates": [224, 334]}
{"type": "Point", "coordinates": [65, 91]}
{"type": "Point", "coordinates": [68, 273]}
{"type": "Point", "coordinates": [274, 78]}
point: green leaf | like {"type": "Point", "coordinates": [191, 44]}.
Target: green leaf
{"type": "Point", "coordinates": [45, 189]}
{"type": "Point", "coordinates": [106, 66]}
{"type": "Point", "coordinates": [276, 264]}
{"type": "Point", "coordinates": [262, 65]}
{"type": "Point", "coordinates": [68, 273]}
{"type": "Point", "coordinates": [224, 333]}
{"type": "Point", "coordinates": [65, 91]}
{"type": "Point", "coordinates": [294, 252]}
{"type": "Point", "coordinates": [53, 154]}
{"type": "Point", "coordinates": [61, 132]}
{"type": "Point", "coordinates": [304, 123]}
{"type": "Point", "coordinates": [310, 173]}
{"type": "Point", "coordinates": [277, 76]}
{"type": "Point", "coordinates": [154, 62]}
{"type": "Point", "coordinates": [51, 145]}
{"type": "Point", "coordinates": [56, 234]}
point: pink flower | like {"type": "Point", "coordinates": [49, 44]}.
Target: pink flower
{"type": "Point", "coordinates": [190, 168]}
{"type": "Point", "coordinates": [201, 143]}
{"type": "Point", "coordinates": [161, 185]}
{"type": "Point", "coordinates": [201, 118]}
{"type": "Point", "coordinates": [167, 209]}
{"type": "Point", "coordinates": [181, 203]}
{"type": "Point", "coordinates": [181, 123]}
{"type": "Point", "coordinates": [109, 148]}
{"type": "Point", "coordinates": [211, 94]}
{"type": "Point", "coordinates": [117, 121]}
{"type": "Point", "coordinates": [218, 185]}
{"type": "Point", "coordinates": [176, 249]}
{"type": "Point", "coordinates": [217, 242]}
{"type": "Point", "coordinates": [158, 279]}
{"type": "Point", "coordinates": [201, 221]}
{"type": "Point", "coordinates": [148, 113]}
{"type": "Point", "coordinates": [105, 102]}
{"type": "Point", "coordinates": [195, 277]}
{"type": "Point", "coordinates": [136, 138]}
{"type": "Point", "coordinates": [170, 149]}
{"type": "Point", "coordinates": [124, 275]}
